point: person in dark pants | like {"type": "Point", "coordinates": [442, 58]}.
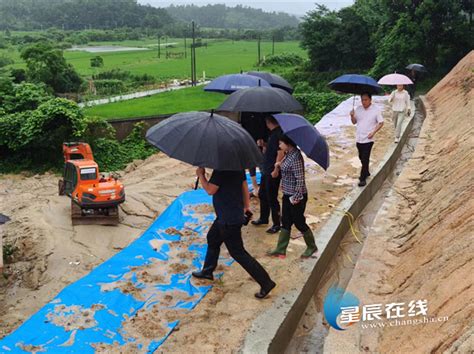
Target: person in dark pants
{"type": "Point", "coordinates": [369, 121]}
{"type": "Point", "coordinates": [295, 196]}
{"type": "Point", "coordinates": [254, 124]}
{"type": "Point", "coordinates": [269, 186]}
{"type": "Point", "coordinates": [231, 201]}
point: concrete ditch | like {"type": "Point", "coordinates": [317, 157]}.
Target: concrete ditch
{"type": "Point", "coordinates": [273, 330]}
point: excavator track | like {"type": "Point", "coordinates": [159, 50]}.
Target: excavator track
{"type": "Point", "coordinates": [79, 216]}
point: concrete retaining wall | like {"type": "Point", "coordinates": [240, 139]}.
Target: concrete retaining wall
{"type": "Point", "coordinates": [273, 330]}
{"type": "Point", "coordinates": [123, 127]}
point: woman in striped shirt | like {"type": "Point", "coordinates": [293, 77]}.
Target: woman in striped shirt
{"type": "Point", "coordinates": [295, 196]}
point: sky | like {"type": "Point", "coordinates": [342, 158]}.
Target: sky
{"type": "Point", "coordinates": [294, 7]}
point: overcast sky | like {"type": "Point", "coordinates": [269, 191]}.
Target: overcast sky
{"type": "Point", "coordinates": [296, 7]}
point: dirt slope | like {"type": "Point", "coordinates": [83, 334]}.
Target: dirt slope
{"type": "Point", "coordinates": [421, 245]}
{"type": "Point", "coordinates": [51, 253]}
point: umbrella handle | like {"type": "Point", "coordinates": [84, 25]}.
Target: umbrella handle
{"type": "Point", "coordinates": [353, 101]}
{"type": "Point", "coordinates": [196, 184]}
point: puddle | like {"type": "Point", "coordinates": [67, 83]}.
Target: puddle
{"type": "Point", "coordinates": [105, 49]}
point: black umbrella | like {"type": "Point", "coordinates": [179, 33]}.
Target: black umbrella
{"type": "Point", "coordinates": [262, 100]}
{"type": "Point", "coordinates": [273, 79]}
{"type": "Point", "coordinates": [417, 67]}
{"type": "Point", "coordinates": [205, 140]}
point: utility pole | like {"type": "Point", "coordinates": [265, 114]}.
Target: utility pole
{"type": "Point", "coordinates": [159, 47]}
{"type": "Point", "coordinates": [185, 50]}
{"type": "Point", "coordinates": [258, 46]}
{"type": "Point", "coordinates": [273, 45]}
{"type": "Point", "coordinates": [193, 57]}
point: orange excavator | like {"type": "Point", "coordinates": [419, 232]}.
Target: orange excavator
{"type": "Point", "coordinates": [94, 197]}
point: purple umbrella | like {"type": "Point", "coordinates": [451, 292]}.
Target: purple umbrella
{"type": "Point", "coordinates": [306, 136]}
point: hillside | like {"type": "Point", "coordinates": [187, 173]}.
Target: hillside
{"type": "Point", "coordinates": [421, 247]}
{"type": "Point", "coordinates": [238, 17]}
{"type": "Point", "coordinates": [79, 15]}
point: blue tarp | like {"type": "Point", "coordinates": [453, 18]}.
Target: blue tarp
{"type": "Point", "coordinates": [153, 274]}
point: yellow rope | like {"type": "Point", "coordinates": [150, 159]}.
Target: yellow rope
{"type": "Point", "coordinates": [351, 220]}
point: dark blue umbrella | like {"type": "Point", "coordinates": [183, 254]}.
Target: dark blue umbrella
{"type": "Point", "coordinates": [230, 83]}
{"type": "Point", "coordinates": [355, 84]}
{"type": "Point", "coordinates": [306, 136]}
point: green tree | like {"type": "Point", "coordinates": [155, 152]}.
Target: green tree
{"type": "Point", "coordinates": [337, 40]}
{"type": "Point", "coordinates": [437, 33]}
{"type": "Point", "coordinates": [97, 62]}
{"type": "Point", "coordinates": [46, 64]}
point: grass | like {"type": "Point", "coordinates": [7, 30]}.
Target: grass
{"type": "Point", "coordinates": [188, 99]}
{"type": "Point", "coordinates": [219, 58]}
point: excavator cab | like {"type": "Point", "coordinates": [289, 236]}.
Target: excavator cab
{"type": "Point", "coordinates": [94, 197]}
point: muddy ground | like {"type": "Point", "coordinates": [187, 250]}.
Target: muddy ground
{"type": "Point", "coordinates": [48, 253]}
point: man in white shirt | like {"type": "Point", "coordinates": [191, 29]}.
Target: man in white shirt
{"type": "Point", "coordinates": [369, 121]}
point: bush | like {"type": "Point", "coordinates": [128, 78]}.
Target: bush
{"type": "Point", "coordinates": [34, 124]}
{"type": "Point", "coordinates": [32, 139]}
{"type": "Point", "coordinates": [97, 62]}
{"type": "Point", "coordinates": [117, 81]}
{"type": "Point", "coordinates": [109, 86]}
{"type": "Point", "coordinates": [22, 97]}
{"type": "Point", "coordinates": [284, 59]}
{"type": "Point", "coordinates": [18, 75]}
{"type": "Point", "coordinates": [112, 155]}
{"type": "Point", "coordinates": [4, 61]}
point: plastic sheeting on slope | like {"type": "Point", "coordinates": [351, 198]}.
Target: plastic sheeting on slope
{"type": "Point", "coordinates": [98, 310]}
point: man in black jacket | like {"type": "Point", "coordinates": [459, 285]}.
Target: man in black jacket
{"type": "Point", "coordinates": [269, 186]}
{"type": "Point", "coordinates": [231, 201]}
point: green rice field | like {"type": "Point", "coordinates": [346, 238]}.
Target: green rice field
{"type": "Point", "coordinates": [188, 99]}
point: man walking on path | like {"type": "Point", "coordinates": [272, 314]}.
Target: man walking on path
{"type": "Point", "coordinates": [369, 121]}
{"type": "Point", "coordinates": [269, 186]}
{"type": "Point", "coordinates": [231, 200]}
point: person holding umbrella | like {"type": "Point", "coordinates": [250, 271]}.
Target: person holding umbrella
{"type": "Point", "coordinates": [369, 121]}
{"type": "Point", "coordinates": [414, 71]}
{"type": "Point", "coordinates": [230, 198]}
{"type": "Point", "coordinates": [297, 131]}
{"type": "Point", "coordinates": [269, 185]}
{"type": "Point", "coordinates": [208, 140]}
{"type": "Point", "coordinates": [400, 100]}
{"type": "Point", "coordinates": [295, 196]}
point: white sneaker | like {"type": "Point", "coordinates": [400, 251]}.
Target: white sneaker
{"type": "Point", "coordinates": [396, 141]}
